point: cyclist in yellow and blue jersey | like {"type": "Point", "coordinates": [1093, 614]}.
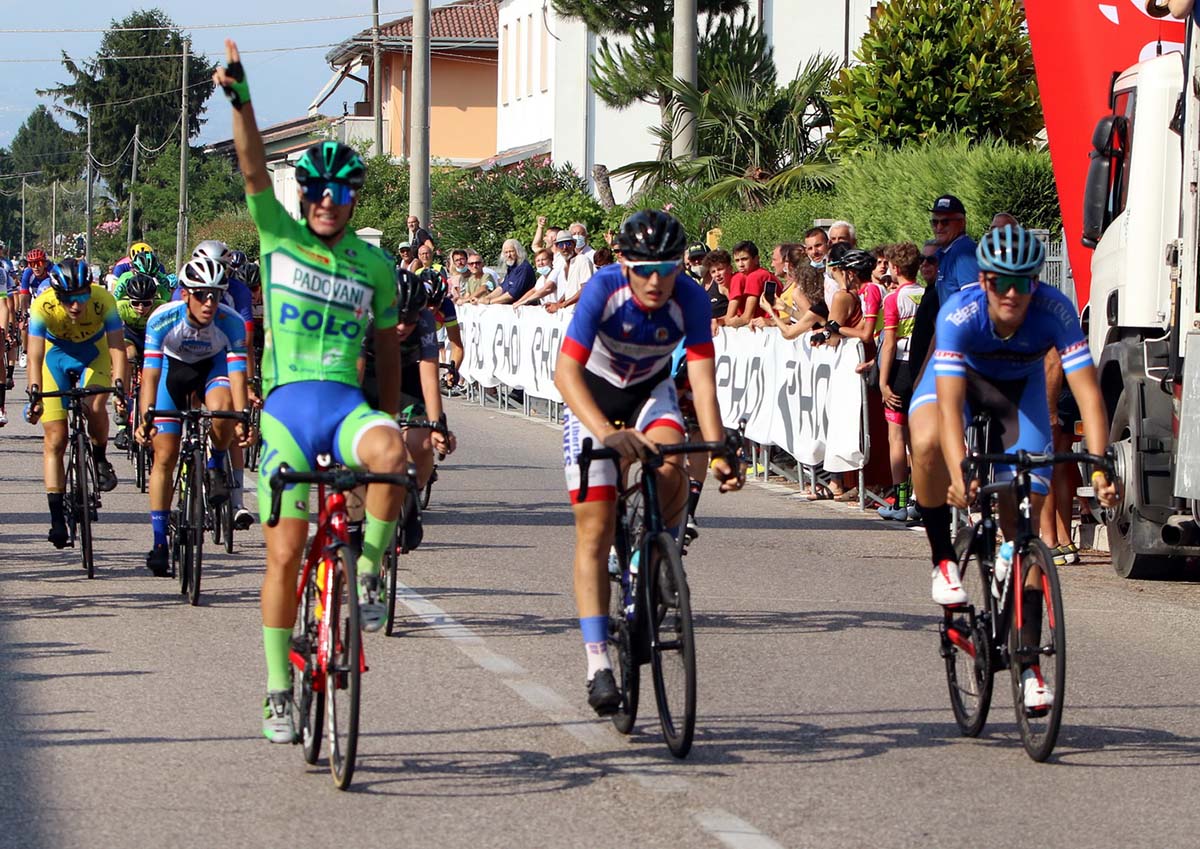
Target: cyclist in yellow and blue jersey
{"type": "Point", "coordinates": [75, 337]}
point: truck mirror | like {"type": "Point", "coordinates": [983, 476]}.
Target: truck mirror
{"type": "Point", "coordinates": [1107, 166]}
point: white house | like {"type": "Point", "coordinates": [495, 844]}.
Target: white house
{"type": "Point", "coordinates": [546, 106]}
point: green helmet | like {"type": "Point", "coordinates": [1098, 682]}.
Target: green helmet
{"type": "Point", "coordinates": [145, 262]}
{"type": "Point", "coordinates": [331, 160]}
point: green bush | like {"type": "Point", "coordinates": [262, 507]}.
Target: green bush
{"type": "Point", "coordinates": [562, 209]}
{"type": "Point", "coordinates": [783, 221]}
{"type": "Point", "coordinates": [887, 194]}
{"type": "Point", "coordinates": [235, 229]}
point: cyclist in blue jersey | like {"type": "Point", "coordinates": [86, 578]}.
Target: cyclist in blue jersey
{"type": "Point", "coordinates": [989, 356]}
{"type": "Point", "coordinates": [615, 376]}
{"type": "Point", "coordinates": [195, 352]}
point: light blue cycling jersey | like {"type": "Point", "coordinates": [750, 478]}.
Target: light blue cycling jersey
{"type": "Point", "coordinates": [171, 334]}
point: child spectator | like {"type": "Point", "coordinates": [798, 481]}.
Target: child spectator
{"type": "Point", "coordinates": [750, 286]}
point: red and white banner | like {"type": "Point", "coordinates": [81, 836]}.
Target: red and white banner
{"type": "Point", "coordinates": [1077, 47]}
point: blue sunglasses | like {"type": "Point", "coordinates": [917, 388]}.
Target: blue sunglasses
{"type": "Point", "coordinates": [340, 193]}
{"type": "Point", "coordinates": [77, 297]}
{"type": "Point", "coordinates": [662, 269]}
{"type": "Point", "coordinates": [1004, 282]}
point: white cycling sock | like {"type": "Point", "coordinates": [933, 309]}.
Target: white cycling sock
{"type": "Point", "coordinates": [597, 658]}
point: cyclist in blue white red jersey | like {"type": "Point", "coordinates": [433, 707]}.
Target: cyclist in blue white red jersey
{"type": "Point", "coordinates": [615, 376]}
{"type": "Point", "coordinates": [989, 356]}
{"type": "Point", "coordinates": [195, 352]}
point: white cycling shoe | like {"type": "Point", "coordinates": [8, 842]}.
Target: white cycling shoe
{"type": "Point", "coordinates": [1035, 692]}
{"type": "Point", "coordinates": [947, 587]}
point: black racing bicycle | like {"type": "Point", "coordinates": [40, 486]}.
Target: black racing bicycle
{"type": "Point", "coordinates": [1000, 627]}
{"type": "Point", "coordinates": [190, 511]}
{"type": "Point", "coordinates": [390, 563]}
{"type": "Point", "coordinates": [650, 607]}
{"type": "Point", "coordinates": [451, 381]}
{"type": "Point", "coordinates": [140, 456]}
{"type": "Point", "coordinates": [81, 495]}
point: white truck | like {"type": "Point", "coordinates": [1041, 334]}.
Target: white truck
{"type": "Point", "coordinates": [1141, 216]}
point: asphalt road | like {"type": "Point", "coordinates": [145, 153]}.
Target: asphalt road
{"type": "Point", "coordinates": [130, 719]}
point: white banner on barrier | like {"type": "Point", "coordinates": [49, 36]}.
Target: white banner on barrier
{"type": "Point", "coordinates": [806, 400]}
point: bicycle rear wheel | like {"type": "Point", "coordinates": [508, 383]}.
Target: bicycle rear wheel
{"type": "Point", "coordinates": [966, 642]}
{"type": "Point", "coordinates": [305, 640]}
{"type": "Point", "coordinates": [620, 642]}
{"type": "Point", "coordinates": [83, 498]}
{"type": "Point", "coordinates": [196, 521]}
{"type": "Point", "coordinates": [387, 576]}
{"type": "Point", "coordinates": [344, 673]}
{"type": "Point", "coordinates": [1039, 641]}
{"type": "Point", "coordinates": [673, 651]}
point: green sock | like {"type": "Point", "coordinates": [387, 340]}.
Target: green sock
{"type": "Point", "coordinates": [277, 643]}
{"type": "Point", "coordinates": [902, 495]}
{"type": "Point", "coordinates": [377, 535]}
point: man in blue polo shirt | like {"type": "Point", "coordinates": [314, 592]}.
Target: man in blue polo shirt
{"type": "Point", "coordinates": [957, 266]}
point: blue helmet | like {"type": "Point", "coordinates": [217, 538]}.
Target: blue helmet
{"type": "Point", "coordinates": [1010, 250]}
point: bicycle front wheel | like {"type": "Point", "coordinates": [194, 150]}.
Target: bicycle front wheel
{"type": "Point", "coordinates": [83, 501]}
{"type": "Point", "coordinates": [387, 576]}
{"type": "Point", "coordinates": [344, 671]}
{"type": "Point", "coordinates": [966, 641]}
{"type": "Point", "coordinates": [1037, 645]}
{"type": "Point", "coordinates": [620, 644]}
{"type": "Point", "coordinates": [673, 650]}
{"type": "Point", "coordinates": [305, 636]}
{"type": "Point", "coordinates": [196, 520]}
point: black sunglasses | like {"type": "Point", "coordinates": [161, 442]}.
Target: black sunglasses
{"type": "Point", "coordinates": [141, 302]}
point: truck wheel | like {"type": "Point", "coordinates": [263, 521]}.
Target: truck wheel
{"type": "Point", "coordinates": [1120, 522]}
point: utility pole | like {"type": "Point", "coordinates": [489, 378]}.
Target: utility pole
{"type": "Point", "coordinates": [133, 179]}
{"type": "Point", "coordinates": [418, 162]}
{"type": "Point", "coordinates": [87, 230]}
{"type": "Point", "coordinates": [22, 216]}
{"type": "Point", "coordinates": [377, 79]}
{"type": "Point", "coordinates": [181, 228]}
{"type": "Point", "coordinates": [54, 216]}
{"type": "Point", "coordinates": [683, 67]}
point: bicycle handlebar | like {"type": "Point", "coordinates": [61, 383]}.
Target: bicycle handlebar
{"type": "Point", "coordinates": [440, 426]}
{"type": "Point", "coordinates": [195, 414]}
{"type": "Point", "coordinates": [1026, 460]}
{"type": "Point", "coordinates": [72, 393]}
{"type": "Point", "coordinates": [340, 479]}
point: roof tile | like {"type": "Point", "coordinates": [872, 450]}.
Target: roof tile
{"type": "Point", "coordinates": [463, 19]}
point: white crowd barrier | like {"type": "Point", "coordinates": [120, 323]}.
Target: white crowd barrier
{"type": "Point", "coordinates": [806, 400]}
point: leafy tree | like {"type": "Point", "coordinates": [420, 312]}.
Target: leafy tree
{"type": "Point", "coordinates": [124, 92]}
{"type": "Point", "coordinates": [42, 144]}
{"type": "Point", "coordinates": [213, 191]}
{"type": "Point", "coordinates": [755, 140]}
{"type": "Point", "coordinates": [928, 67]}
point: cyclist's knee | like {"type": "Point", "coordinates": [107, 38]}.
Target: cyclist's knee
{"type": "Point", "coordinates": [54, 437]}
{"type": "Point", "coordinates": [382, 450]}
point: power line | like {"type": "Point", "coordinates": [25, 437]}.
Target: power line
{"type": "Point", "coordinates": [57, 30]}
{"type": "Point", "coordinates": [100, 166]}
{"type": "Point", "coordinates": [169, 138]}
{"type": "Point", "coordinates": [57, 59]}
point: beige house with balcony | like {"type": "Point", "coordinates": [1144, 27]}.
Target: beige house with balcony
{"type": "Point", "coordinates": [463, 66]}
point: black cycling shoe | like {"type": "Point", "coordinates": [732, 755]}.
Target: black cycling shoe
{"type": "Point", "coordinates": [243, 519]}
{"type": "Point", "coordinates": [603, 695]}
{"type": "Point", "coordinates": [121, 440]}
{"type": "Point", "coordinates": [58, 536]}
{"type": "Point", "coordinates": [106, 476]}
{"type": "Point", "coordinates": [218, 487]}
{"type": "Point", "coordinates": [158, 561]}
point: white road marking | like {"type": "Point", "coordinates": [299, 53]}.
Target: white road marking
{"type": "Point", "coordinates": [729, 829]}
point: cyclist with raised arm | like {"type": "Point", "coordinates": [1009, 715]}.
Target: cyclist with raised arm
{"type": "Point", "coordinates": [74, 331]}
{"type": "Point", "coordinates": [321, 285]}
{"type": "Point", "coordinates": [420, 396]}
{"type": "Point", "coordinates": [195, 353]}
{"type": "Point", "coordinates": [989, 347]}
{"type": "Point", "coordinates": [614, 374]}
{"type": "Point", "coordinates": [141, 297]}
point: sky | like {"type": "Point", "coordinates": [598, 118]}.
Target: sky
{"type": "Point", "coordinates": [282, 83]}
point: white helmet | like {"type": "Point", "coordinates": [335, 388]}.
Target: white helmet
{"type": "Point", "coordinates": [203, 272]}
{"type": "Point", "coordinates": [214, 250]}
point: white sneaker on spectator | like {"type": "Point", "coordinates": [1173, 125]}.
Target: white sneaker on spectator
{"type": "Point", "coordinates": [1035, 692]}
{"type": "Point", "coordinates": [3, 417]}
{"type": "Point", "coordinates": [22, 360]}
{"type": "Point", "coordinates": [947, 588]}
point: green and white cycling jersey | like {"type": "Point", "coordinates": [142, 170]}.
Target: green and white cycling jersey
{"type": "Point", "coordinates": [164, 286]}
{"type": "Point", "coordinates": [317, 300]}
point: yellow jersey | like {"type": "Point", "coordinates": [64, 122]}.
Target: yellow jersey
{"type": "Point", "coordinates": [49, 320]}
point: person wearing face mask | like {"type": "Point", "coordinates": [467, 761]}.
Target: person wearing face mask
{"type": "Point", "coordinates": [519, 275]}
{"type": "Point", "coordinates": [695, 263]}
{"type": "Point", "coordinates": [547, 279]}
{"type": "Point", "coordinates": [578, 272]}
{"type": "Point", "coordinates": [579, 236]}
{"type": "Point", "coordinates": [458, 270]}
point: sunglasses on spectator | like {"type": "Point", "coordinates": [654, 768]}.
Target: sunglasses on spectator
{"type": "Point", "coordinates": [140, 302]}
{"type": "Point", "coordinates": [941, 222]}
{"type": "Point", "coordinates": [929, 258]}
{"type": "Point", "coordinates": [340, 193]}
{"type": "Point", "coordinates": [646, 269]}
{"type": "Point", "coordinates": [77, 297]}
{"type": "Point", "coordinates": [206, 295]}
{"type": "Point", "coordinates": [1002, 283]}
{"type": "Point", "coordinates": [476, 262]}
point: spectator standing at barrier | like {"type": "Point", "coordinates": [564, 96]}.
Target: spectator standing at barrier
{"type": "Point", "coordinates": [544, 236]}
{"type": "Point", "coordinates": [695, 263]}
{"type": "Point", "coordinates": [478, 281]}
{"type": "Point", "coordinates": [578, 272]}
{"type": "Point", "coordinates": [929, 263]}
{"type": "Point", "coordinates": [1003, 219]}
{"type": "Point", "coordinates": [895, 380]}
{"type": "Point", "coordinates": [843, 233]}
{"type": "Point", "coordinates": [816, 246]}
{"type": "Point", "coordinates": [418, 236]}
{"type": "Point", "coordinates": [519, 277]}
{"type": "Point", "coordinates": [579, 234]}
{"type": "Point", "coordinates": [718, 270]}
{"type": "Point", "coordinates": [750, 286]}
{"type": "Point", "coordinates": [603, 257]}
{"type": "Point", "coordinates": [458, 270]}
{"type": "Point", "coordinates": [547, 281]}
{"type": "Point", "coordinates": [404, 255]}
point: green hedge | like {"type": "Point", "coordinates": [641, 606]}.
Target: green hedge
{"type": "Point", "coordinates": [784, 221]}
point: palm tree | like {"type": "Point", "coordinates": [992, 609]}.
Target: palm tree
{"type": "Point", "coordinates": [756, 140]}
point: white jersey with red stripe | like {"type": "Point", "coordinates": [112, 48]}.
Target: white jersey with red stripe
{"type": "Point", "coordinates": [170, 333]}
{"type": "Point", "coordinates": [620, 341]}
